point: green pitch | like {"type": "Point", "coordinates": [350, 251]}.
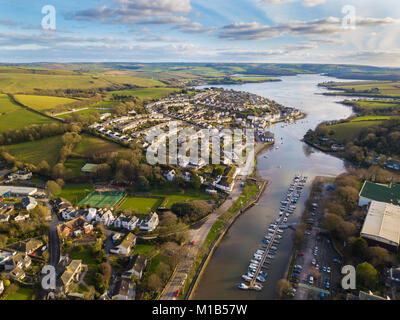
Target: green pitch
{"type": "Point", "coordinates": [102, 199]}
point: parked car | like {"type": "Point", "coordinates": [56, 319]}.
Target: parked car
{"type": "Point", "coordinates": [177, 293]}
{"type": "Point", "coordinates": [311, 280]}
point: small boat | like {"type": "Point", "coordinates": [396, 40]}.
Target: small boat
{"type": "Point", "coordinates": [264, 274]}
{"type": "Point", "coordinates": [257, 257]}
{"type": "Point", "coordinates": [274, 248]}
{"type": "Point", "coordinates": [265, 241]}
{"type": "Point", "coordinates": [260, 278]}
{"type": "Point", "coordinates": [255, 261]}
{"type": "Point", "coordinates": [253, 266]}
{"type": "Point", "coordinates": [270, 257]}
{"type": "Point", "coordinates": [257, 287]}
{"type": "Point", "coordinates": [246, 277]}
{"type": "Point", "coordinates": [243, 286]}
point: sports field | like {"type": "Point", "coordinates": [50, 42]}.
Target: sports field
{"type": "Point", "coordinates": [104, 199]}
{"type": "Point", "coordinates": [141, 205]}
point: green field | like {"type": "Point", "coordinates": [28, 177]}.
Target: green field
{"type": "Point", "coordinates": [386, 88]}
{"type": "Point", "coordinates": [27, 80]}
{"type": "Point", "coordinates": [348, 131]}
{"type": "Point", "coordinates": [35, 151]}
{"type": "Point", "coordinates": [101, 199]}
{"type": "Point", "coordinates": [375, 104]}
{"type": "Point", "coordinates": [145, 93]}
{"type": "Point", "coordinates": [75, 164]}
{"type": "Point", "coordinates": [173, 196]}
{"type": "Point", "coordinates": [13, 116]}
{"type": "Point", "coordinates": [371, 118]}
{"type": "Point", "coordinates": [75, 192]}
{"type": "Point", "coordinates": [141, 205]}
{"type": "Point", "coordinates": [22, 294]}
{"type": "Point", "coordinates": [41, 103]}
{"type": "Point", "coordinates": [91, 145]}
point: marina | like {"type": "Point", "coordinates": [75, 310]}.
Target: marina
{"type": "Point", "coordinates": [264, 255]}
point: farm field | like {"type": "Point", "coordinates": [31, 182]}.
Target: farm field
{"type": "Point", "coordinates": [141, 205]}
{"type": "Point", "coordinates": [375, 104]}
{"type": "Point", "coordinates": [348, 131]}
{"type": "Point", "coordinates": [34, 152]}
{"type": "Point", "coordinates": [75, 192]}
{"type": "Point", "coordinates": [254, 78]}
{"type": "Point", "coordinates": [386, 88]}
{"type": "Point", "coordinates": [371, 118]}
{"type": "Point", "coordinates": [91, 145]}
{"type": "Point", "coordinates": [42, 103]}
{"type": "Point", "coordinates": [145, 93]}
{"type": "Point", "coordinates": [127, 79]}
{"type": "Point", "coordinates": [13, 116]}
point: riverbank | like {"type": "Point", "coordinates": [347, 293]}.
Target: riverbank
{"type": "Point", "coordinates": [219, 237]}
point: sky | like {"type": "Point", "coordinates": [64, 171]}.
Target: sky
{"type": "Point", "coordinates": [300, 31]}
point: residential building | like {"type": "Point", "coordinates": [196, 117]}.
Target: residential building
{"type": "Point", "coordinates": [30, 246]}
{"type": "Point", "coordinates": [29, 203]}
{"type": "Point", "coordinates": [71, 274]}
{"type": "Point", "coordinates": [170, 175]}
{"type": "Point", "coordinates": [126, 245]}
{"type": "Point", "coordinates": [18, 260]}
{"type": "Point", "coordinates": [74, 227]}
{"type": "Point", "coordinates": [136, 267]}
{"type": "Point", "coordinates": [124, 290]}
{"type": "Point", "coordinates": [19, 175]}
{"type": "Point", "coordinates": [91, 215]}
{"type": "Point", "coordinates": [150, 223]}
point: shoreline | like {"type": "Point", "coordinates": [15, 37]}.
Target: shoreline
{"type": "Point", "coordinates": [203, 265]}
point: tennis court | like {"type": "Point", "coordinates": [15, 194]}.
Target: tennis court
{"type": "Point", "coordinates": [102, 199]}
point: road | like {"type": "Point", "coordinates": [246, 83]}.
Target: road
{"type": "Point", "coordinates": [198, 235]}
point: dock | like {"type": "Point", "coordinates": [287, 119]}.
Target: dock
{"type": "Point", "coordinates": [288, 207]}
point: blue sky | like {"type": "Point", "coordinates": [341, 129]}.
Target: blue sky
{"type": "Point", "coordinates": [203, 31]}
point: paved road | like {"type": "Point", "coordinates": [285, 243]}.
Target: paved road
{"type": "Point", "coordinates": [198, 236]}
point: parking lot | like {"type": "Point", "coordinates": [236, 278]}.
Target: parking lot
{"type": "Point", "coordinates": [316, 271]}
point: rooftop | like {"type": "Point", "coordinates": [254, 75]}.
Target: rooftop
{"type": "Point", "coordinates": [382, 193]}
{"type": "Point", "coordinates": [382, 223]}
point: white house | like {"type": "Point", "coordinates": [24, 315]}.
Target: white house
{"type": "Point", "coordinates": [126, 245]}
{"type": "Point", "coordinates": [28, 203]}
{"type": "Point", "coordinates": [150, 223]}
{"type": "Point", "coordinates": [91, 215]}
{"type": "Point", "coordinates": [170, 175]}
{"type": "Point", "coordinates": [105, 218]}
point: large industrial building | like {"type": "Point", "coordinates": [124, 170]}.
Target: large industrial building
{"type": "Point", "coordinates": [17, 191]}
{"type": "Point", "coordinates": [382, 225]}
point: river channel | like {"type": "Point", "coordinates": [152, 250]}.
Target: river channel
{"type": "Point", "coordinates": [278, 166]}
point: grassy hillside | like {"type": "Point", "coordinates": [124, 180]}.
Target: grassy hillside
{"type": "Point", "coordinates": [35, 151]}
{"type": "Point", "coordinates": [345, 132]}
{"type": "Point", "coordinates": [41, 103]}
{"type": "Point", "coordinates": [91, 145]}
{"type": "Point", "coordinates": [145, 93]}
{"type": "Point", "coordinates": [13, 116]}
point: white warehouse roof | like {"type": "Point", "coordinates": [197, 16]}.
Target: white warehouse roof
{"type": "Point", "coordinates": [382, 223]}
{"type": "Point", "coordinates": [18, 190]}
